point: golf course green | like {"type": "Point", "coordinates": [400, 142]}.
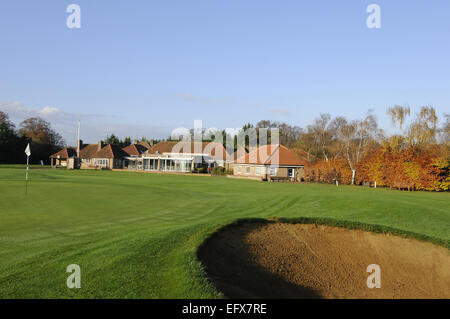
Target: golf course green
{"type": "Point", "coordinates": [135, 235]}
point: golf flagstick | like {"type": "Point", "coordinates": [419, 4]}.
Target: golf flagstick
{"type": "Point", "coordinates": [28, 152]}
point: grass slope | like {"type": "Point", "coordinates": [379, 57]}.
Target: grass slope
{"type": "Point", "coordinates": [135, 235]}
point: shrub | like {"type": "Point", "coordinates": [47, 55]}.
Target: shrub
{"type": "Point", "coordinates": [218, 170]}
{"type": "Point", "coordinates": [200, 170]}
{"type": "Point", "coordinates": [412, 168]}
{"type": "Point", "coordinates": [328, 172]}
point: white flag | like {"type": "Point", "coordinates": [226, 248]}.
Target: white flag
{"type": "Point", "coordinates": [27, 150]}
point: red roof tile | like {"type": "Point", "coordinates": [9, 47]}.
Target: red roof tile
{"type": "Point", "coordinates": [65, 153]}
{"type": "Point", "coordinates": [88, 150]}
{"type": "Point", "coordinates": [91, 151]}
{"type": "Point", "coordinates": [110, 151]}
{"type": "Point", "coordinates": [271, 155]}
{"type": "Point", "coordinates": [135, 149]}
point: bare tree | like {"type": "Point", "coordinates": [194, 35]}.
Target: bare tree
{"type": "Point", "coordinates": [321, 130]}
{"type": "Point", "coordinates": [289, 134]}
{"type": "Point", "coordinates": [444, 131]}
{"type": "Point", "coordinates": [321, 138]}
{"type": "Point", "coordinates": [336, 148]}
{"type": "Point", "coordinates": [307, 143]}
{"type": "Point", "coordinates": [357, 138]}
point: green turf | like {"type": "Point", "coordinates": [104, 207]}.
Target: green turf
{"type": "Point", "coordinates": [135, 235]}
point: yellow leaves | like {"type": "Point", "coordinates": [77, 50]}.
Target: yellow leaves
{"type": "Point", "coordinates": [398, 114]}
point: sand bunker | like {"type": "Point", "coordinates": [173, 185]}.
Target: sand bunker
{"type": "Point", "coordinates": [277, 260]}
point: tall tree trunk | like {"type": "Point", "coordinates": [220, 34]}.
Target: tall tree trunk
{"type": "Point", "coordinates": [353, 176]}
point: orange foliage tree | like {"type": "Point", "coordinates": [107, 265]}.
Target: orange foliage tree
{"type": "Point", "coordinates": [330, 171]}
{"type": "Point", "coordinates": [412, 169]}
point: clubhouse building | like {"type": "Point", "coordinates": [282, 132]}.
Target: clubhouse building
{"type": "Point", "coordinates": [270, 163]}
{"type": "Point", "coordinates": [267, 162]}
{"type": "Point", "coordinates": [166, 156]}
{"type": "Point", "coordinates": [174, 156]}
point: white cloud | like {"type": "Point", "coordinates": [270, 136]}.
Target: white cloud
{"type": "Point", "coordinates": [18, 111]}
{"type": "Point", "coordinates": [47, 110]}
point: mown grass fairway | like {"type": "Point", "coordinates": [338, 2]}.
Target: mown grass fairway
{"type": "Point", "coordinates": [135, 235]}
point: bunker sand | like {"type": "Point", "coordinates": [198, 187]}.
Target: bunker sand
{"type": "Point", "coordinates": [280, 260]}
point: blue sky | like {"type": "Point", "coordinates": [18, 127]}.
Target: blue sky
{"type": "Point", "coordinates": [146, 67]}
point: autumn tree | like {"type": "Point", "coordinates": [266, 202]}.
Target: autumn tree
{"type": "Point", "coordinates": [44, 140]}
{"type": "Point", "coordinates": [396, 142]}
{"type": "Point", "coordinates": [398, 115]}
{"type": "Point", "coordinates": [423, 130]}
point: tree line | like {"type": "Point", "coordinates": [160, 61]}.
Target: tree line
{"type": "Point", "coordinates": [113, 139]}
{"type": "Point", "coordinates": [358, 152]}
{"type": "Point", "coordinates": [43, 140]}
{"type": "Point", "coordinates": [338, 150]}
{"type": "Point", "coordinates": [335, 149]}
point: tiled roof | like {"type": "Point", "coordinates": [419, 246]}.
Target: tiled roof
{"type": "Point", "coordinates": [111, 151]}
{"type": "Point", "coordinates": [189, 147]}
{"type": "Point", "coordinates": [65, 153]}
{"type": "Point", "coordinates": [88, 150]}
{"type": "Point", "coordinates": [238, 153]}
{"type": "Point", "coordinates": [271, 155]}
{"type": "Point", "coordinates": [302, 155]}
{"type": "Point", "coordinates": [135, 149]}
{"type": "Point", "coordinates": [91, 151]}
{"type": "Point", "coordinates": [285, 156]}
{"type": "Point", "coordinates": [146, 145]}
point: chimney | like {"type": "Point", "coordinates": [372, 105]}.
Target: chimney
{"type": "Point", "coordinates": [135, 141]}
{"type": "Point", "coordinates": [100, 145]}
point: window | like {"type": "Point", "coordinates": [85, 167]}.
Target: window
{"type": "Point", "coordinates": [247, 169]}
{"type": "Point", "coordinates": [291, 172]}
{"type": "Point", "coordinates": [273, 171]}
{"type": "Point", "coordinates": [258, 170]}
{"type": "Point", "coordinates": [102, 162]}
{"type": "Point", "coordinates": [239, 169]}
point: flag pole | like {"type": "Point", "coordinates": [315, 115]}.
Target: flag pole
{"type": "Point", "coordinates": [26, 178]}
{"type": "Point", "coordinates": [28, 152]}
